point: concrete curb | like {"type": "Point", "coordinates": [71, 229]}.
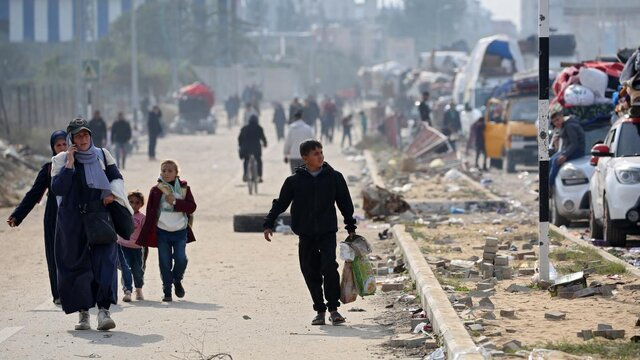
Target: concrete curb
{"type": "Point", "coordinates": [444, 319]}
{"type": "Point", "coordinates": [373, 170]}
{"type": "Point", "coordinates": [481, 188]}
{"type": "Point", "coordinates": [630, 268]}
{"type": "Point", "coordinates": [444, 207]}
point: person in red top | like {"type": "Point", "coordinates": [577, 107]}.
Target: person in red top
{"type": "Point", "coordinates": [167, 226]}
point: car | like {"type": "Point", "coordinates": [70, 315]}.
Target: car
{"type": "Point", "coordinates": [570, 194]}
{"type": "Point", "coordinates": [615, 184]}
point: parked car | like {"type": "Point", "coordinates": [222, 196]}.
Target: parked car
{"type": "Point", "coordinates": [615, 185]}
{"type": "Point", "coordinates": [570, 196]}
{"type": "Point", "coordinates": [195, 103]}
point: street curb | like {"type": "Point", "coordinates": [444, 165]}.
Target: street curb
{"type": "Point", "coordinates": [481, 188]}
{"type": "Point", "coordinates": [435, 302]}
{"type": "Point", "coordinates": [444, 207]}
{"type": "Point", "coordinates": [630, 268]}
{"type": "Point", "coordinates": [373, 170]}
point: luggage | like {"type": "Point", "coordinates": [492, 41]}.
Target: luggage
{"type": "Point", "coordinates": [594, 79]}
{"type": "Point", "coordinates": [578, 95]}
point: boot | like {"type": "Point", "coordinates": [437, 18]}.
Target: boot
{"type": "Point", "coordinates": [127, 296]}
{"type": "Point", "coordinates": [83, 323]}
{"type": "Point", "coordinates": [139, 295]}
{"type": "Point", "coordinates": [104, 320]}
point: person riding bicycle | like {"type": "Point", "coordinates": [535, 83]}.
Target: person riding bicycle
{"type": "Point", "coordinates": [250, 138]}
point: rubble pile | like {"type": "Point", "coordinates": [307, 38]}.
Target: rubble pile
{"type": "Point", "coordinates": [18, 168]}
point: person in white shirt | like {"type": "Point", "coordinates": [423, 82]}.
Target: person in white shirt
{"type": "Point", "coordinates": [299, 131]}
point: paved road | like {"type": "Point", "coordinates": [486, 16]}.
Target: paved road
{"type": "Point", "coordinates": [230, 276]}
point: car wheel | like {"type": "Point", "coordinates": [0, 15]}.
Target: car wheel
{"type": "Point", "coordinates": [594, 228]}
{"type": "Point", "coordinates": [556, 218]}
{"type": "Point", "coordinates": [253, 222]}
{"type": "Point", "coordinates": [612, 235]}
{"type": "Point", "coordinates": [510, 164]}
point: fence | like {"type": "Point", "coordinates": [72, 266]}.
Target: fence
{"type": "Point", "coordinates": [25, 107]}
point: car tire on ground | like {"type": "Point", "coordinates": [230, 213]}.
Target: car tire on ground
{"type": "Point", "coordinates": [556, 218]}
{"type": "Point", "coordinates": [253, 222]}
{"type": "Point", "coordinates": [613, 235]}
{"type": "Point", "coordinates": [594, 228]}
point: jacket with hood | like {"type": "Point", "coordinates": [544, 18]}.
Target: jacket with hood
{"type": "Point", "coordinates": [299, 131]}
{"type": "Point", "coordinates": [572, 136]}
{"type": "Point", "coordinates": [313, 200]}
{"type": "Point", "coordinates": [251, 138]}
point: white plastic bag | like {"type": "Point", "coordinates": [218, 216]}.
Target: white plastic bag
{"type": "Point", "coordinates": [360, 245]}
{"type": "Point", "coordinates": [346, 252]}
{"type": "Point", "coordinates": [578, 95]}
{"type": "Point", "coordinates": [594, 79]}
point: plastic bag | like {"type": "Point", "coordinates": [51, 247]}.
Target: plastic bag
{"type": "Point", "coordinates": [359, 245]}
{"type": "Point", "coordinates": [346, 252]}
{"type": "Point", "coordinates": [594, 79]}
{"type": "Point", "coordinates": [578, 95]}
{"type": "Point", "coordinates": [364, 276]}
{"type": "Point", "coordinates": [348, 289]}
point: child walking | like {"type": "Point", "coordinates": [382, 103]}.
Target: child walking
{"type": "Point", "coordinates": [167, 226]}
{"type": "Point", "coordinates": [131, 253]}
{"type": "Point", "coordinates": [313, 191]}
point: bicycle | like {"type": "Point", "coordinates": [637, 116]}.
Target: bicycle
{"type": "Point", "coordinates": [252, 175]}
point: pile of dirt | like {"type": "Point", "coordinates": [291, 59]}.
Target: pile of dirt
{"type": "Point", "coordinates": [18, 168]}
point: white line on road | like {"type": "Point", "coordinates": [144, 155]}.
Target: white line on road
{"type": "Point", "coordinates": [8, 332]}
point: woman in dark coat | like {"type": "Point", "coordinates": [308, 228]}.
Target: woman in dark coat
{"type": "Point", "coordinates": [87, 274]}
{"type": "Point", "coordinates": [42, 183]}
{"type": "Point", "coordinates": [154, 129]}
{"type": "Point", "coordinates": [250, 138]}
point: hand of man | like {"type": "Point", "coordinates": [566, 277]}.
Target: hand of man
{"type": "Point", "coordinates": [170, 199]}
{"type": "Point", "coordinates": [561, 159]}
{"type": "Point", "coordinates": [108, 200]}
{"type": "Point", "coordinates": [268, 233]}
{"type": "Point", "coordinates": [11, 221]}
{"type": "Point", "coordinates": [286, 160]}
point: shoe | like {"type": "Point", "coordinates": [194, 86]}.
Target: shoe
{"type": "Point", "coordinates": [319, 319]}
{"type": "Point", "coordinates": [179, 289]}
{"type": "Point", "coordinates": [127, 296]}
{"type": "Point", "coordinates": [104, 320]}
{"type": "Point", "coordinates": [56, 301]}
{"type": "Point", "coordinates": [336, 318]}
{"type": "Point", "coordinates": [139, 295]}
{"type": "Point", "coordinates": [167, 298]}
{"type": "Point", "coordinates": [260, 179]}
{"type": "Point", "coordinates": [83, 323]}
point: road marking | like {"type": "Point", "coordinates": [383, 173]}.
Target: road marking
{"type": "Point", "coordinates": [8, 332]}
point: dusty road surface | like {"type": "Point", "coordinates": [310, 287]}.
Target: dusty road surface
{"type": "Point", "coordinates": [244, 296]}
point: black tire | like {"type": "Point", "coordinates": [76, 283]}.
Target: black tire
{"type": "Point", "coordinates": [509, 163]}
{"type": "Point", "coordinates": [253, 222]}
{"type": "Point", "coordinates": [556, 218]}
{"type": "Point", "coordinates": [594, 228]}
{"type": "Point", "coordinates": [613, 235]}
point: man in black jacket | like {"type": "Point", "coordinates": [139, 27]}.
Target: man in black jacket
{"type": "Point", "coordinates": [120, 136]}
{"type": "Point", "coordinates": [573, 143]}
{"type": "Point", "coordinates": [424, 109]}
{"type": "Point", "coordinates": [250, 140]}
{"type": "Point", "coordinates": [313, 191]}
{"type": "Point", "coordinates": [98, 130]}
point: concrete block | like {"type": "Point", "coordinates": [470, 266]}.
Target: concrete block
{"type": "Point", "coordinates": [521, 254]}
{"type": "Point", "coordinates": [486, 304]}
{"type": "Point", "coordinates": [518, 288]}
{"type": "Point", "coordinates": [586, 334]}
{"type": "Point", "coordinates": [494, 333]}
{"type": "Point", "coordinates": [511, 330]}
{"type": "Point", "coordinates": [484, 286]}
{"type": "Point", "coordinates": [408, 340]}
{"type": "Point", "coordinates": [496, 354]}
{"type": "Point", "coordinates": [530, 257]}
{"type": "Point", "coordinates": [488, 315]}
{"type": "Point", "coordinates": [501, 261]}
{"type": "Point", "coordinates": [509, 313]}
{"type": "Point", "coordinates": [526, 246]}
{"type": "Point", "coordinates": [481, 293]}
{"type": "Point", "coordinates": [631, 287]}
{"type": "Point", "coordinates": [491, 241]}
{"type": "Point", "coordinates": [504, 247]}
{"type": "Point", "coordinates": [430, 344]}
{"type": "Point", "coordinates": [555, 315]}
{"type": "Point", "coordinates": [491, 249]}
{"type": "Point", "coordinates": [490, 346]}
{"type": "Point", "coordinates": [383, 271]}
{"type": "Point", "coordinates": [512, 346]}
{"type": "Point", "coordinates": [506, 271]}
{"type": "Point", "coordinates": [485, 266]}
{"type": "Point", "coordinates": [481, 339]}
{"type": "Point", "coordinates": [605, 327]}
{"type": "Point", "coordinates": [526, 271]}
{"type": "Point", "coordinates": [467, 300]}
{"type": "Point", "coordinates": [488, 255]}
{"type": "Point", "coordinates": [615, 334]}
{"type": "Point", "coordinates": [386, 287]}
{"type": "Point", "coordinates": [585, 293]}
{"type": "Point", "coordinates": [476, 327]}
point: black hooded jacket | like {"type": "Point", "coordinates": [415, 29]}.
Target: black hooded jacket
{"type": "Point", "coordinates": [313, 200]}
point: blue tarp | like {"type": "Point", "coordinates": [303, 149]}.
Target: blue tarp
{"type": "Point", "coordinates": [500, 48]}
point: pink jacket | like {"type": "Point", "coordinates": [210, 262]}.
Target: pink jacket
{"type": "Point", "coordinates": [138, 221]}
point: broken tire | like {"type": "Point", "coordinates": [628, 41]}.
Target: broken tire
{"type": "Point", "coordinates": [253, 222]}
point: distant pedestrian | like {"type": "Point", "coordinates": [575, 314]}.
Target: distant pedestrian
{"type": "Point", "coordinates": [364, 123]}
{"type": "Point", "coordinates": [476, 139]}
{"type": "Point", "coordinates": [313, 191]}
{"type": "Point", "coordinates": [299, 131]}
{"type": "Point", "coordinates": [311, 113]}
{"type": "Point", "coordinates": [131, 260]}
{"type": "Point", "coordinates": [154, 129]}
{"type": "Point", "coordinates": [85, 179]}
{"type": "Point", "coordinates": [167, 227]}
{"type": "Point", "coordinates": [294, 108]}
{"type": "Point", "coordinates": [98, 130]}
{"type": "Point", "coordinates": [279, 119]}
{"type": "Point", "coordinates": [424, 109]}
{"type": "Point", "coordinates": [120, 137]}
{"type": "Point", "coordinates": [249, 111]}
{"type": "Point", "coordinates": [251, 141]}
{"type": "Point", "coordinates": [347, 124]}
{"type": "Point", "coordinates": [42, 184]}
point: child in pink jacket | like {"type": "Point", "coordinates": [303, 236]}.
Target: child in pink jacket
{"type": "Point", "coordinates": [131, 253]}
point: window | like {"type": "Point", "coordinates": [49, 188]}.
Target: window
{"type": "Point", "coordinates": [629, 140]}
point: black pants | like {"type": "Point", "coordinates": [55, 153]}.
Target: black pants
{"type": "Point", "coordinates": [319, 267]}
{"type": "Point", "coordinates": [152, 146]}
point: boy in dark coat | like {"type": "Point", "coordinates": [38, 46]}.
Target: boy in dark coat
{"type": "Point", "coordinates": [313, 191]}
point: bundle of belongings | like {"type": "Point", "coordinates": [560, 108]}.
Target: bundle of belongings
{"type": "Point", "coordinates": [630, 81]}
{"type": "Point", "coordinates": [358, 277]}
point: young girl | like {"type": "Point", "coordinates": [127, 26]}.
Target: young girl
{"type": "Point", "coordinates": [132, 252]}
{"type": "Point", "coordinates": [170, 204]}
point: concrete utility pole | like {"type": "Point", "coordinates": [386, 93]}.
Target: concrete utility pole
{"type": "Point", "coordinates": [79, 108]}
{"type": "Point", "coordinates": [134, 64]}
{"type": "Point", "coordinates": [543, 136]}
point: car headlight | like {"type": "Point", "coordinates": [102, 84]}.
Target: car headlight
{"type": "Point", "coordinates": [628, 175]}
{"type": "Point", "coordinates": [571, 175]}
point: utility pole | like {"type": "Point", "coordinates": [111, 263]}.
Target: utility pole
{"type": "Point", "coordinates": [543, 137]}
{"type": "Point", "coordinates": [77, 32]}
{"type": "Point", "coordinates": [134, 64]}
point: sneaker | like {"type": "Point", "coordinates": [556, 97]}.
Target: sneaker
{"type": "Point", "coordinates": [56, 301]}
{"type": "Point", "coordinates": [104, 320]}
{"type": "Point", "coordinates": [167, 298]}
{"type": "Point", "coordinates": [179, 289]}
{"type": "Point", "coordinates": [139, 295]}
{"type": "Point", "coordinates": [83, 322]}
{"type": "Point", "coordinates": [127, 296]}
{"type": "Point", "coordinates": [259, 179]}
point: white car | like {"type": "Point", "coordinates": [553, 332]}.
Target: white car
{"type": "Point", "coordinates": [570, 197]}
{"type": "Point", "coordinates": [615, 185]}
